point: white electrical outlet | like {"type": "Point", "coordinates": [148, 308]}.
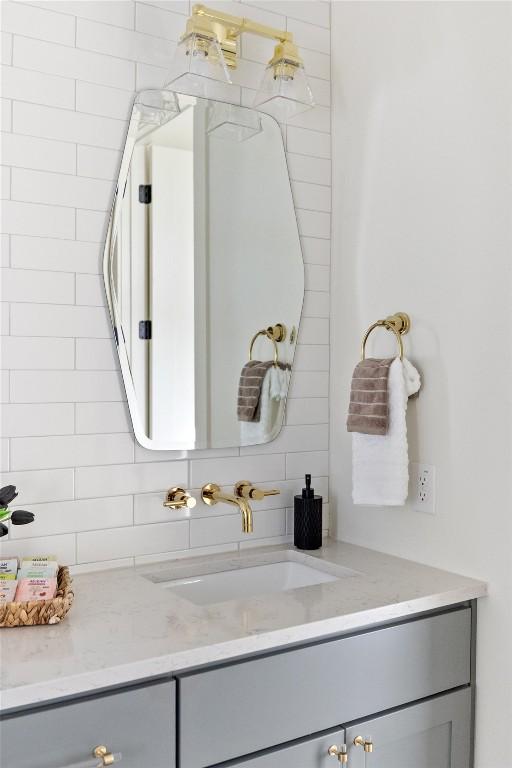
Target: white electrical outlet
{"type": "Point", "coordinates": [423, 488]}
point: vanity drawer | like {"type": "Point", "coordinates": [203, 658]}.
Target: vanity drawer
{"type": "Point", "coordinates": [240, 708]}
{"type": "Point", "coordinates": [138, 723]}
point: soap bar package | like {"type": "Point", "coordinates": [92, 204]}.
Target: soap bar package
{"type": "Point", "coordinates": [38, 568]}
{"type": "Point", "coordinates": [35, 589]}
{"type": "Point", "coordinates": [10, 565]}
{"type": "Point", "coordinates": [7, 590]}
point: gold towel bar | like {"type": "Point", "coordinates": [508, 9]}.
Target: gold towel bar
{"type": "Point", "coordinates": [274, 333]}
{"type": "Point", "coordinates": [399, 323]}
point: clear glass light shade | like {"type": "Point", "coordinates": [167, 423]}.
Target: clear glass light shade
{"type": "Point", "coordinates": [284, 91]}
{"type": "Point", "coordinates": [232, 123]}
{"type": "Point", "coordinates": [199, 68]}
{"type": "Point", "coordinates": [156, 107]}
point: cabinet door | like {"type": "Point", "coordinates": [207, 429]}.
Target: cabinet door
{"type": "Point", "coordinates": [432, 734]}
{"type": "Point", "coordinates": [311, 752]}
{"type": "Point", "coordinates": [139, 723]}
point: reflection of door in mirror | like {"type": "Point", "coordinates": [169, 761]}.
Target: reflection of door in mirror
{"type": "Point", "coordinates": [203, 251]}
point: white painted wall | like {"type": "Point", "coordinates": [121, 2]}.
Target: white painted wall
{"type": "Point", "coordinates": [69, 74]}
{"type": "Point", "coordinates": [422, 163]}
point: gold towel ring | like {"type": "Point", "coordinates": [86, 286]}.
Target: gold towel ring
{"type": "Point", "coordinates": [268, 336]}
{"type": "Point", "coordinates": [398, 324]}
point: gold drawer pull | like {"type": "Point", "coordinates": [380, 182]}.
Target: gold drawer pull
{"type": "Point", "coordinates": [366, 743]}
{"type": "Point", "coordinates": [339, 752]}
{"type": "Point", "coordinates": [106, 757]}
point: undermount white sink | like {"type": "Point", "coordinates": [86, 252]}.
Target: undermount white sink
{"type": "Point", "coordinates": [249, 580]}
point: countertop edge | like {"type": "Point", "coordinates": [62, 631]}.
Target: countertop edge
{"type": "Point", "coordinates": [27, 696]}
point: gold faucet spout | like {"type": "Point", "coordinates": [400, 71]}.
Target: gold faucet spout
{"type": "Point", "coordinates": [212, 494]}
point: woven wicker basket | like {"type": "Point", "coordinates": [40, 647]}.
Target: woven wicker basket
{"type": "Point", "coordinates": [40, 611]}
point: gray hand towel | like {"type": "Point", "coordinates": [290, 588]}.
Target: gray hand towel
{"type": "Point", "coordinates": [249, 388]}
{"type": "Point", "coordinates": [368, 409]}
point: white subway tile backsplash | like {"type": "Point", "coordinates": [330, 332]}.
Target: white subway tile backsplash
{"type": "Point", "coordinates": [6, 121]}
{"type": "Point", "coordinates": [70, 451]}
{"type": "Point", "coordinates": [94, 418]}
{"type": "Point", "coordinates": [314, 224]}
{"type": "Point", "coordinates": [313, 197]}
{"type": "Point", "coordinates": [32, 353]}
{"type": "Point", "coordinates": [316, 303]}
{"type": "Point", "coordinates": [38, 154]}
{"type": "Point", "coordinates": [90, 291]}
{"type": "Point", "coordinates": [40, 220]}
{"type": "Point", "coordinates": [310, 35]}
{"type": "Point", "coordinates": [30, 21]}
{"type": "Point", "coordinates": [310, 384]}
{"type": "Point", "coordinates": [36, 487]}
{"type": "Point", "coordinates": [5, 182]}
{"type": "Point", "coordinates": [73, 62]}
{"type": "Point", "coordinates": [93, 482]}
{"type": "Point", "coordinates": [123, 43]}
{"type": "Point", "coordinates": [121, 13]}
{"type": "Point", "coordinates": [38, 286]}
{"type": "Point", "coordinates": [91, 226]}
{"type": "Point", "coordinates": [313, 437]}
{"type": "Point", "coordinates": [5, 250]}
{"type": "Point", "coordinates": [73, 516]}
{"type": "Point", "coordinates": [65, 386]}
{"type": "Point", "coordinates": [55, 255]}
{"type": "Point", "coordinates": [315, 463]}
{"type": "Point", "coordinates": [307, 410]}
{"type": "Point", "coordinates": [6, 48]}
{"type": "Point", "coordinates": [314, 170]}
{"type": "Point", "coordinates": [56, 320]}
{"type": "Point", "coordinates": [4, 386]}
{"type": "Point", "coordinates": [65, 125]}
{"type": "Point", "coordinates": [70, 70]}
{"type": "Point", "coordinates": [136, 540]}
{"type": "Point", "coordinates": [103, 100]}
{"type": "Point", "coordinates": [5, 310]}
{"type": "Point", "coordinates": [98, 163]}
{"type": "Point", "coordinates": [4, 455]}
{"type": "Point", "coordinates": [209, 531]}
{"type": "Point", "coordinates": [314, 330]}
{"type": "Point", "coordinates": [228, 470]}
{"type": "Point", "coordinates": [61, 189]}
{"type": "Point", "coordinates": [311, 357]}
{"type": "Point", "coordinates": [30, 420]}
{"type": "Point", "coordinates": [40, 88]}
{"type": "Point", "coordinates": [63, 547]}
{"type": "Point", "coordinates": [96, 355]}
{"type": "Point", "coordinates": [308, 142]}
{"type": "Point", "coordinates": [158, 22]}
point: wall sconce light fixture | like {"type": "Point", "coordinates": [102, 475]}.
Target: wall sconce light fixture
{"type": "Point", "coordinates": [209, 48]}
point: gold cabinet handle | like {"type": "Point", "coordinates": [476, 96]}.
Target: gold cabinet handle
{"type": "Point", "coordinates": [244, 489]}
{"type": "Point", "coordinates": [178, 498]}
{"type": "Point", "coordinates": [365, 743]}
{"type": "Point", "coordinates": [339, 752]}
{"type": "Point", "coordinates": [106, 757]}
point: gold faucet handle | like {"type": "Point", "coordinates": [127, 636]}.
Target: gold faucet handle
{"type": "Point", "coordinates": [178, 498]}
{"type": "Point", "coordinates": [244, 489]}
{"type": "Point", "coordinates": [364, 742]}
{"type": "Point", "coordinates": [339, 752]}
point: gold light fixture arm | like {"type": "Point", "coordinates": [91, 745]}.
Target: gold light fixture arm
{"type": "Point", "coordinates": [227, 29]}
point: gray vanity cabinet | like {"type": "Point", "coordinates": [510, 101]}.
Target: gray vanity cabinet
{"type": "Point", "coordinates": [430, 734]}
{"type": "Point", "coordinates": [311, 752]}
{"type": "Point", "coordinates": [138, 723]}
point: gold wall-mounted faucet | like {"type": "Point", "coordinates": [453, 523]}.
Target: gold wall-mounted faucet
{"type": "Point", "coordinates": [244, 489]}
{"type": "Point", "coordinates": [178, 498]}
{"type": "Point", "coordinates": [212, 494]}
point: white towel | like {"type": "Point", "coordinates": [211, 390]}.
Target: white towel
{"type": "Point", "coordinates": [380, 463]}
{"type": "Point", "coordinates": [272, 402]}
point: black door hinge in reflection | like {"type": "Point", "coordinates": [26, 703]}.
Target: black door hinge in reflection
{"type": "Point", "coordinates": [144, 329]}
{"type": "Point", "coordinates": [145, 193]}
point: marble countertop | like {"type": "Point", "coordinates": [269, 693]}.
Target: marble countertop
{"type": "Point", "coordinates": [123, 628]}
